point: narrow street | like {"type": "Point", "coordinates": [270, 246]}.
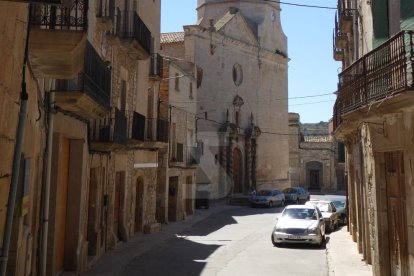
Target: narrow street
{"type": "Point", "coordinates": [232, 242]}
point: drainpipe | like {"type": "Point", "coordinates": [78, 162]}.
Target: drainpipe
{"type": "Point", "coordinates": [16, 160]}
{"type": "Point", "coordinates": [362, 197]}
{"type": "Point", "coordinates": [46, 188]}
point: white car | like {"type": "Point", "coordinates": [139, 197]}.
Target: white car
{"type": "Point", "coordinates": [268, 198]}
{"type": "Point", "coordinates": [299, 224]}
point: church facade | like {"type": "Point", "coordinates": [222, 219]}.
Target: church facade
{"type": "Point", "coordinates": [242, 108]}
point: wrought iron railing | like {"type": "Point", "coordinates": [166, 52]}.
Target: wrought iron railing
{"type": "Point", "coordinates": [111, 129]}
{"type": "Point", "coordinates": [383, 72]}
{"type": "Point", "coordinates": [130, 26]}
{"type": "Point", "coordinates": [94, 81]}
{"type": "Point", "coordinates": [106, 9]}
{"type": "Point", "coordinates": [136, 129]}
{"type": "Point", "coordinates": [156, 65]}
{"type": "Point", "coordinates": [345, 8]}
{"type": "Point", "coordinates": [62, 17]}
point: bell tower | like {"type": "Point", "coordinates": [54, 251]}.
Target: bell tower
{"type": "Point", "coordinates": [264, 16]}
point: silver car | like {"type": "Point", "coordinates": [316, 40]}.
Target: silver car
{"type": "Point", "coordinates": [268, 198]}
{"type": "Point", "coordinates": [299, 224]}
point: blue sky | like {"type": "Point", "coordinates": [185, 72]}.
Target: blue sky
{"type": "Point", "coordinates": [312, 70]}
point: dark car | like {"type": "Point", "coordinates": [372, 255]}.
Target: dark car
{"type": "Point", "coordinates": [202, 199]}
{"type": "Point", "coordinates": [296, 195]}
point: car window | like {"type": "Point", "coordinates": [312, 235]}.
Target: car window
{"type": "Point", "coordinates": [323, 207]}
{"type": "Point", "coordinates": [264, 193]}
{"type": "Point", "coordinates": [300, 213]}
{"type": "Point", "coordinates": [339, 203]}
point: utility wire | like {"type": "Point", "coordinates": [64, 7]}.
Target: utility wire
{"type": "Point", "coordinates": [302, 5]}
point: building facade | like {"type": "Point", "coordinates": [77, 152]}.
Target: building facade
{"type": "Point", "coordinates": [178, 96]}
{"type": "Point", "coordinates": [88, 173]}
{"type": "Point", "coordinates": [373, 116]}
{"type": "Point", "coordinates": [316, 159]}
{"type": "Point", "coordinates": [241, 120]}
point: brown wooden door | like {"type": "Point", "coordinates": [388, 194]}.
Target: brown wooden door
{"type": "Point", "coordinates": [237, 171]}
{"type": "Point", "coordinates": [61, 205]}
{"type": "Point", "coordinates": [396, 213]}
{"type": "Point", "coordinates": [92, 212]}
{"type": "Point", "coordinates": [139, 196]}
{"type": "Point", "coordinates": [119, 188]}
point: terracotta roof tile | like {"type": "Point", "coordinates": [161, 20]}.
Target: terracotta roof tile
{"type": "Point", "coordinates": [172, 37]}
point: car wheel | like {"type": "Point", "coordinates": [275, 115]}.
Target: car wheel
{"type": "Point", "coordinates": [270, 204]}
{"type": "Point", "coordinates": [273, 241]}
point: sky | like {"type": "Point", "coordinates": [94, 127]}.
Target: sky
{"type": "Point", "coordinates": [312, 69]}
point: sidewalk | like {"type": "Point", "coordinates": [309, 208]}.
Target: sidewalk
{"type": "Point", "coordinates": [114, 262]}
{"type": "Point", "coordinates": [343, 256]}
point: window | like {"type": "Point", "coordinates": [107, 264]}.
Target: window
{"type": "Point", "coordinates": [237, 74]}
{"type": "Point", "coordinates": [177, 82]}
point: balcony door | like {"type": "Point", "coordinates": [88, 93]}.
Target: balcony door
{"type": "Point", "coordinates": [396, 214]}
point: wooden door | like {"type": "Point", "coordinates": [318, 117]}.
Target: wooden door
{"type": "Point", "coordinates": [396, 213]}
{"type": "Point", "coordinates": [314, 179]}
{"type": "Point", "coordinates": [139, 196]}
{"type": "Point", "coordinates": [118, 202]}
{"type": "Point", "coordinates": [237, 171]}
{"type": "Point", "coordinates": [61, 205]}
{"type": "Point", "coordinates": [92, 213]}
{"type": "Point", "coordinates": [173, 198]}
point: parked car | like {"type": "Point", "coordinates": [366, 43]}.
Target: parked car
{"type": "Point", "coordinates": [202, 199]}
{"type": "Point", "coordinates": [328, 211]}
{"type": "Point", "coordinates": [296, 195]}
{"type": "Point", "coordinates": [299, 224]}
{"type": "Point", "coordinates": [268, 198]}
{"type": "Point", "coordinates": [341, 209]}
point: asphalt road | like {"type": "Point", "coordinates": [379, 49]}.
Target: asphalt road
{"type": "Point", "coordinates": [233, 242]}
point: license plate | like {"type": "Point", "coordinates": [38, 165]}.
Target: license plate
{"type": "Point", "coordinates": [295, 237]}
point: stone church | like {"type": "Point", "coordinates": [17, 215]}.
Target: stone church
{"type": "Point", "coordinates": [242, 107]}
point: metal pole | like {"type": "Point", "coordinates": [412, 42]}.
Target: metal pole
{"type": "Point", "coordinates": [16, 161]}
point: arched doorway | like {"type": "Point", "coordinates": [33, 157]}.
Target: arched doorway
{"type": "Point", "coordinates": [139, 196]}
{"type": "Point", "coordinates": [237, 171]}
{"type": "Point", "coordinates": [314, 175]}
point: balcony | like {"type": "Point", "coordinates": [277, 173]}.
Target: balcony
{"type": "Point", "coordinates": [183, 156]}
{"type": "Point", "coordinates": [156, 66]}
{"type": "Point", "coordinates": [133, 34]}
{"type": "Point", "coordinates": [346, 16]}
{"type": "Point", "coordinates": [378, 81]}
{"type": "Point", "coordinates": [57, 39]}
{"type": "Point", "coordinates": [340, 38]}
{"type": "Point", "coordinates": [141, 131]}
{"type": "Point", "coordinates": [88, 94]}
{"type": "Point", "coordinates": [105, 14]}
{"type": "Point", "coordinates": [109, 133]}
{"type": "Point", "coordinates": [338, 54]}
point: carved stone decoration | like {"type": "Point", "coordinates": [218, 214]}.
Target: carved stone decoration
{"type": "Point", "coordinates": [238, 101]}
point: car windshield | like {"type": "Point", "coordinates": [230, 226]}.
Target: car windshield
{"type": "Point", "coordinates": [324, 207]}
{"type": "Point", "coordinates": [339, 203]}
{"type": "Point", "coordinates": [300, 214]}
{"type": "Point", "coordinates": [289, 191]}
{"type": "Point", "coordinates": [264, 193]}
